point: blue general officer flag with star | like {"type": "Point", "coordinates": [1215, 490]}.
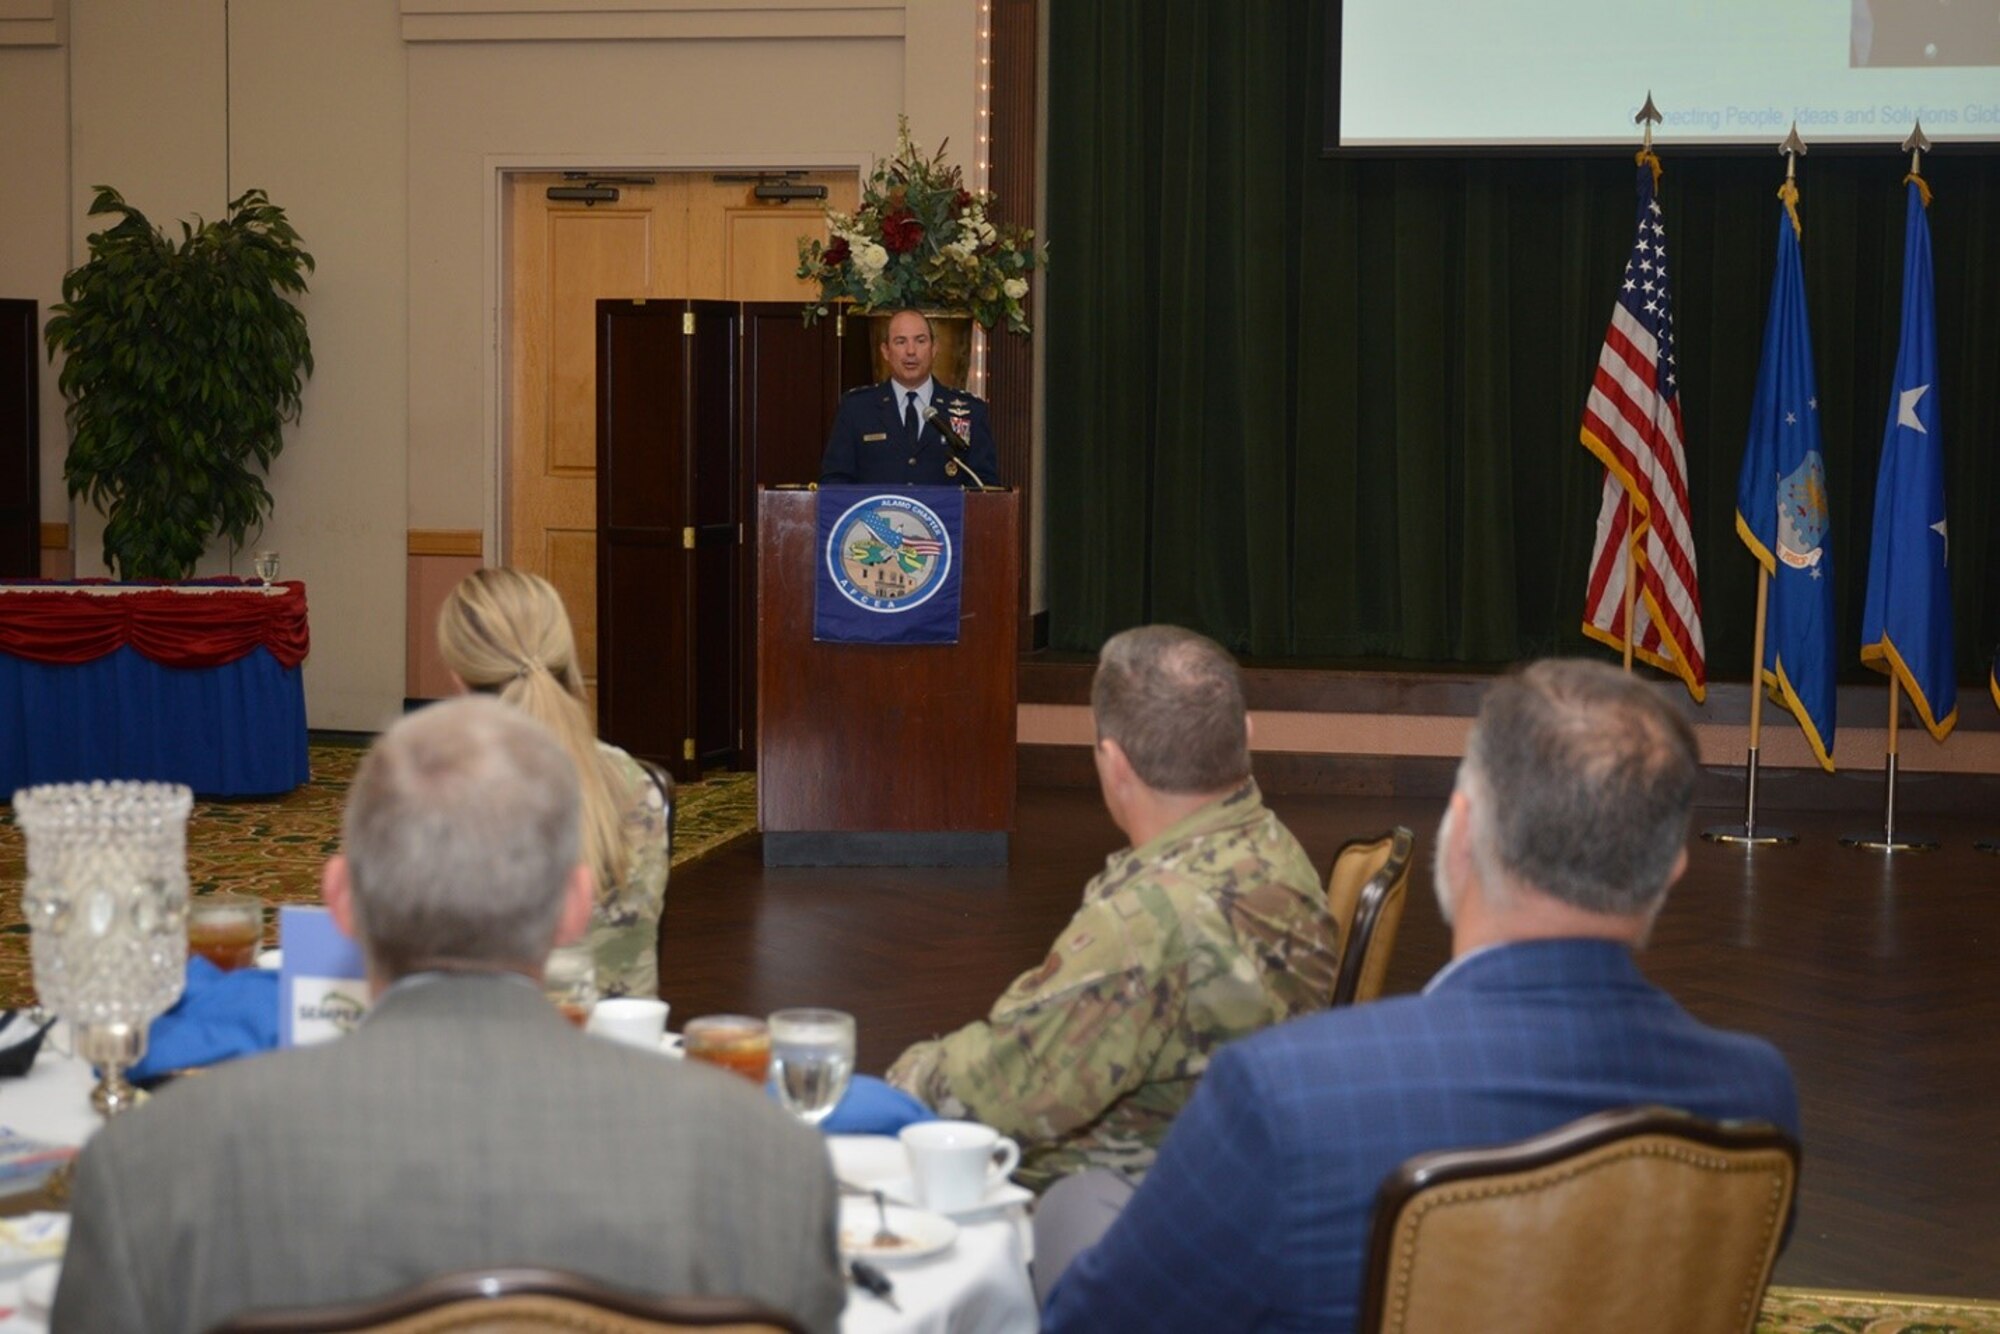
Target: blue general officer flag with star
{"type": "Point", "coordinates": [1906, 621]}
{"type": "Point", "coordinates": [1781, 502]}
{"type": "Point", "coordinates": [888, 566]}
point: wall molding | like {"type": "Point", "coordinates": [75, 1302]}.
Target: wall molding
{"type": "Point", "coordinates": [31, 23]}
{"type": "Point", "coordinates": [622, 20]}
{"type": "Point", "coordinates": [447, 542]}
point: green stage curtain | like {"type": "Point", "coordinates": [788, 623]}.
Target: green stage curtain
{"type": "Point", "coordinates": [1328, 408]}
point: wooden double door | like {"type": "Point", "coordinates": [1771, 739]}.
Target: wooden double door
{"type": "Point", "coordinates": [699, 403]}
{"type": "Point", "coordinates": [667, 235]}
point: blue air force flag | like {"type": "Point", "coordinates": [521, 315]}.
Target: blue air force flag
{"type": "Point", "coordinates": [1781, 502]}
{"type": "Point", "coordinates": [888, 565]}
{"type": "Point", "coordinates": [1906, 622]}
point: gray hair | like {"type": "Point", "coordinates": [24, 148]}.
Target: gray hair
{"type": "Point", "coordinates": [1173, 701]}
{"type": "Point", "coordinates": [1585, 776]}
{"type": "Point", "coordinates": [461, 829]}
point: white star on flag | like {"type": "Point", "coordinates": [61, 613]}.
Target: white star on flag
{"type": "Point", "coordinates": [1938, 528]}
{"type": "Point", "coordinates": [1906, 412]}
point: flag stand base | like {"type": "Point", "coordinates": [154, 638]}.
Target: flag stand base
{"type": "Point", "coordinates": [1748, 834]}
{"type": "Point", "coordinates": [1890, 839]}
{"type": "Point", "coordinates": [1883, 841]}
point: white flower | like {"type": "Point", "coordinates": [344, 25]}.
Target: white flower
{"type": "Point", "coordinates": [870, 258]}
{"type": "Point", "coordinates": [963, 247]}
{"type": "Point", "coordinates": [1015, 288]}
{"type": "Point", "coordinates": [983, 233]}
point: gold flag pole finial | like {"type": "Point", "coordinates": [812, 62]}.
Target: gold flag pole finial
{"type": "Point", "coordinates": [1916, 146]}
{"type": "Point", "coordinates": [1793, 148]}
{"type": "Point", "coordinates": [1648, 116]}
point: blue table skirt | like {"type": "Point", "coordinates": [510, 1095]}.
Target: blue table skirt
{"type": "Point", "coordinates": [234, 730]}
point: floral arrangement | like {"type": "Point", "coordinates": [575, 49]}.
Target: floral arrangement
{"type": "Point", "coordinates": [920, 238]}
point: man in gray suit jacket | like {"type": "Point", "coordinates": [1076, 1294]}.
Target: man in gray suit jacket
{"type": "Point", "coordinates": [465, 1124]}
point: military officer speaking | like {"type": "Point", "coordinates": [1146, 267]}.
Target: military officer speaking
{"type": "Point", "coordinates": [906, 430]}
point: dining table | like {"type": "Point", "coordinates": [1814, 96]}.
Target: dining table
{"type": "Point", "coordinates": [198, 683]}
{"type": "Point", "coordinates": [979, 1284]}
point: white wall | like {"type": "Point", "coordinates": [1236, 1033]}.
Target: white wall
{"type": "Point", "coordinates": [381, 126]}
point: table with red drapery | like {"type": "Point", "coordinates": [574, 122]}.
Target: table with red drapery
{"type": "Point", "coordinates": [197, 683]}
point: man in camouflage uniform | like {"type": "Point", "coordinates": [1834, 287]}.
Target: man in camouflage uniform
{"type": "Point", "coordinates": [1213, 924]}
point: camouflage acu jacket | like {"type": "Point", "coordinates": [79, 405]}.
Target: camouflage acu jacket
{"type": "Point", "coordinates": [1215, 929]}
{"type": "Point", "coordinates": [625, 923]}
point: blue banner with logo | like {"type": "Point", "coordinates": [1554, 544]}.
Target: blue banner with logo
{"type": "Point", "coordinates": [888, 565]}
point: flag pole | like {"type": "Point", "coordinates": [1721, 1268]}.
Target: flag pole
{"type": "Point", "coordinates": [1747, 834]}
{"type": "Point", "coordinates": [1889, 842]}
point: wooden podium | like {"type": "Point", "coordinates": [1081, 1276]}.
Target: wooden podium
{"type": "Point", "coordinates": [885, 755]}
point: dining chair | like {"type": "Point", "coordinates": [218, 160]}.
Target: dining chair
{"type": "Point", "coordinates": [1643, 1220]}
{"type": "Point", "coordinates": [519, 1301]}
{"type": "Point", "coordinates": [1365, 895]}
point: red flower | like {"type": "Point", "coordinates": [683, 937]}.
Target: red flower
{"type": "Point", "coordinates": [901, 232]}
{"type": "Point", "coordinates": [962, 202]}
{"type": "Point", "coordinates": [835, 255]}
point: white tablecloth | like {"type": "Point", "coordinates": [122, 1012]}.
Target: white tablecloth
{"type": "Point", "coordinates": [978, 1286]}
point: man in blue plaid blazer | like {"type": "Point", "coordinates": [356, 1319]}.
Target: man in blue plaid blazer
{"type": "Point", "coordinates": [1566, 828]}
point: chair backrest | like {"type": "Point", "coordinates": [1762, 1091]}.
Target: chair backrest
{"type": "Point", "coordinates": [663, 781]}
{"type": "Point", "coordinates": [1369, 933]}
{"type": "Point", "coordinates": [1643, 1220]}
{"type": "Point", "coordinates": [519, 1301]}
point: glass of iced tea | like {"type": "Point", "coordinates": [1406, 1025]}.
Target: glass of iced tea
{"type": "Point", "coordinates": [226, 929]}
{"type": "Point", "coordinates": [569, 980]}
{"type": "Point", "coordinates": [735, 1042]}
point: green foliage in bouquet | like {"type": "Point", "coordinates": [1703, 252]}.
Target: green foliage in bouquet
{"type": "Point", "coordinates": [921, 239]}
{"type": "Point", "coordinates": [184, 362]}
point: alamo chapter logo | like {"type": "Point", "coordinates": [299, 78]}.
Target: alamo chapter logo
{"type": "Point", "coordinates": [888, 554]}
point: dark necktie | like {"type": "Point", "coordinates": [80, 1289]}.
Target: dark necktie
{"type": "Point", "coordinates": [910, 420]}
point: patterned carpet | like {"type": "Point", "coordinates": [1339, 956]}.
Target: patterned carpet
{"type": "Point", "coordinates": [1819, 1311]}
{"type": "Point", "coordinates": [274, 848]}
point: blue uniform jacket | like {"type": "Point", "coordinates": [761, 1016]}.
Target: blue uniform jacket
{"type": "Point", "coordinates": [869, 445]}
{"type": "Point", "coordinates": [1256, 1214]}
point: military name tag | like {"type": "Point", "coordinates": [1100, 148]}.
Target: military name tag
{"type": "Point", "coordinates": [873, 436]}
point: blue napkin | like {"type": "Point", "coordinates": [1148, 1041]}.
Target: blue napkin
{"type": "Point", "coordinates": [219, 1017]}
{"type": "Point", "coordinates": [871, 1107]}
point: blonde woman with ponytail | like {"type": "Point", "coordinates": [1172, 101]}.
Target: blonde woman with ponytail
{"type": "Point", "coordinates": [505, 633]}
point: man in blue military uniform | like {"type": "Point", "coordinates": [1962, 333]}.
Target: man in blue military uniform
{"type": "Point", "coordinates": [906, 430]}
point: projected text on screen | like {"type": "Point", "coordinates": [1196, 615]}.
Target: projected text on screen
{"type": "Point", "coordinates": [1485, 73]}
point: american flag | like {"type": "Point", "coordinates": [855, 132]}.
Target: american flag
{"type": "Point", "coordinates": [1632, 423]}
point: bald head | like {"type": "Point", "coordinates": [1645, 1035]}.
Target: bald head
{"type": "Point", "coordinates": [1582, 778]}
{"type": "Point", "coordinates": [461, 833]}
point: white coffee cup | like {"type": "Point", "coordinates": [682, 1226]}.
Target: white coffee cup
{"type": "Point", "coordinates": [636, 1021]}
{"type": "Point", "coordinates": [954, 1163]}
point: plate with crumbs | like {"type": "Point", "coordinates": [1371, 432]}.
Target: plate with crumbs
{"type": "Point", "coordinates": [919, 1233]}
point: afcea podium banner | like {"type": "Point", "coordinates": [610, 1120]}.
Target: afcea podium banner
{"type": "Point", "coordinates": [889, 567]}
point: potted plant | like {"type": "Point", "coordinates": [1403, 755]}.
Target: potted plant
{"type": "Point", "coordinates": [921, 239]}
{"type": "Point", "coordinates": [183, 361]}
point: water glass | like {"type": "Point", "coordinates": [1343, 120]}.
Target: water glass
{"type": "Point", "coordinates": [265, 565]}
{"type": "Point", "coordinates": [812, 1058]}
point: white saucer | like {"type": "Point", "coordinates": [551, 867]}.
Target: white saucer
{"type": "Point", "coordinates": [920, 1233]}
{"type": "Point", "coordinates": [999, 1195]}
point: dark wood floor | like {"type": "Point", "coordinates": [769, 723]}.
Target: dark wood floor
{"type": "Point", "coordinates": [1876, 977]}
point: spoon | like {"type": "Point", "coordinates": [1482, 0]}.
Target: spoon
{"type": "Point", "coordinates": [884, 1234]}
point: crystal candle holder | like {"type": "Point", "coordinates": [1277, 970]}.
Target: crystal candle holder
{"type": "Point", "coordinates": [106, 903]}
